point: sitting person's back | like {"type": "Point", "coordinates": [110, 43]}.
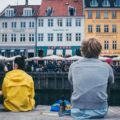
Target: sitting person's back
{"type": "Point", "coordinates": [18, 88]}
{"type": "Point", "coordinates": [89, 78]}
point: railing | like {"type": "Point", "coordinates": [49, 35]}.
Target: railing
{"type": "Point", "coordinates": [49, 87]}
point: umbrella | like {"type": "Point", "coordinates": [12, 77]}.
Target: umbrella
{"type": "Point", "coordinates": [33, 58]}
{"type": "Point", "coordinates": [2, 58]}
{"type": "Point", "coordinates": [74, 58]}
{"type": "Point", "coordinates": [12, 58]}
{"type": "Point", "coordinates": [53, 57]}
{"type": "Point", "coordinates": [103, 58]}
{"type": "Point", "coordinates": [116, 58]}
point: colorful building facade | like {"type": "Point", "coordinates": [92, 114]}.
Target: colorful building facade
{"type": "Point", "coordinates": [102, 20]}
{"type": "Point", "coordinates": [60, 27]}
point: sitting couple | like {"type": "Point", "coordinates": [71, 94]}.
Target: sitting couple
{"type": "Point", "coordinates": [89, 78]}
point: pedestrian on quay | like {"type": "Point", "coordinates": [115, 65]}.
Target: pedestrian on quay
{"type": "Point", "coordinates": [18, 88]}
{"type": "Point", "coordinates": [89, 79]}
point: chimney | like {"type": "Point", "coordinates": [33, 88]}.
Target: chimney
{"type": "Point", "coordinates": [26, 2]}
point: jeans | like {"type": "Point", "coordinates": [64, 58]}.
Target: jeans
{"type": "Point", "coordinates": [88, 114]}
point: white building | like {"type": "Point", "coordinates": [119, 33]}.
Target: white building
{"type": "Point", "coordinates": [18, 30]}
{"type": "Point", "coordinates": [60, 27]}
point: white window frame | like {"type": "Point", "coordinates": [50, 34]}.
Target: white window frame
{"type": "Point", "coordinates": [40, 36]}
{"type": "Point", "coordinates": [69, 22]}
{"type": "Point", "coordinates": [68, 37]}
{"type": "Point", "coordinates": [59, 37]}
{"type": "Point", "coordinates": [50, 37]}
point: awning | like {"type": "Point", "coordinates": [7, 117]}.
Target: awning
{"type": "Point", "coordinates": [30, 50]}
{"type": "Point", "coordinates": [2, 50]}
{"type": "Point", "coordinates": [49, 52]}
{"type": "Point", "coordinates": [21, 50]}
{"type": "Point", "coordinates": [59, 52]}
{"type": "Point", "coordinates": [12, 50]}
{"type": "Point", "coordinates": [69, 52]}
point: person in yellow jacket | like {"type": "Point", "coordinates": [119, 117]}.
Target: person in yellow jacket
{"type": "Point", "coordinates": [18, 88]}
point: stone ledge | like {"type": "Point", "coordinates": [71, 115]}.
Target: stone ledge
{"type": "Point", "coordinates": [42, 113]}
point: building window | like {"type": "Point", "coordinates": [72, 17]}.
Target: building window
{"type": "Point", "coordinates": [89, 14]}
{"type": "Point", "coordinates": [114, 45]}
{"type": "Point", "coordinates": [22, 37]}
{"type": "Point", "coordinates": [117, 3]}
{"type": "Point", "coordinates": [40, 36]}
{"type": "Point", "coordinates": [59, 37]}
{"type": "Point", "coordinates": [106, 3]}
{"type": "Point", "coordinates": [4, 25]}
{"type": "Point", "coordinates": [50, 37]}
{"type": "Point", "coordinates": [31, 37]}
{"type": "Point", "coordinates": [13, 25]}
{"type": "Point", "coordinates": [114, 29]}
{"type": "Point", "coordinates": [4, 37]}
{"type": "Point", "coordinates": [9, 12]}
{"type": "Point", "coordinates": [98, 28]}
{"type": "Point", "coordinates": [31, 24]}
{"type": "Point", "coordinates": [105, 14]}
{"type": "Point", "coordinates": [68, 37]}
{"type": "Point", "coordinates": [72, 11]}
{"type": "Point", "coordinates": [40, 22]}
{"type": "Point", "coordinates": [49, 11]}
{"type": "Point", "coordinates": [78, 22]}
{"type": "Point", "coordinates": [60, 22]}
{"type": "Point", "coordinates": [89, 28]}
{"type": "Point", "coordinates": [27, 12]}
{"type": "Point", "coordinates": [114, 14]}
{"type": "Point", "coordinates": [106, 45]}
{"type": "Point", "coordinates": [68, 22]}
{"type": "Point", "coordinates": [13, 37]}
{"type": "Point", "coordinates": [23, 24]}
{"type": "Point", "coordinates": [94, 3]}
{"type": "Point", "coordinates": [78, 36]}
{"type": "Point", "coordinates": [98, 14]}
{"type": "Point", "coordinates": [50, 22]}
{"type": "Point", "coordinates": [106, 28]}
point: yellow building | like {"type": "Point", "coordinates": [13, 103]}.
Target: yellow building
{"type": "Point", "coordinates": [102, 20]}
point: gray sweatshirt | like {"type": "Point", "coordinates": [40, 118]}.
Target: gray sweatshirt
{"type": "Point", "coordinates": [89, 79]}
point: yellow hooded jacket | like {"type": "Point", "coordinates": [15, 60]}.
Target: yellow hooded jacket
{"type": "Point", "coordinates": [18, 91]}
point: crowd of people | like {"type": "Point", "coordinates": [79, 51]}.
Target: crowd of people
{"type": "Point", "coordinates": [50, 66]}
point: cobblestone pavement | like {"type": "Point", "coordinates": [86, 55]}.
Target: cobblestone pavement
{"type": "Point", "coordinates": [42, 113]}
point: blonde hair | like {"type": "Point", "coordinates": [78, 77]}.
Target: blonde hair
{"type": "Point", "coordinates": [91, 48]}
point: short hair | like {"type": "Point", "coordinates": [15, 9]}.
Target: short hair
{"type": "Point", "coordinates": [91, 48]}
{"type": "Point", "coordinates": [20, 61]}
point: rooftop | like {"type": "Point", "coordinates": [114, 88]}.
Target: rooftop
{"type": "Point", "coordinates": [102, 3]}
{"type": "Point", "coordinates": [60, 7]}
{"type": "Point", "coordinates": [18, 9]}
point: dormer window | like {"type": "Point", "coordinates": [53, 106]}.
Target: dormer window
{"type": "Point", "coordinates": [27, 12]}
{"type": "Point", "coordinates": [72, 11]}
{"type": "Point", "coordinates": [106, 3]}
{"type": "Point", "coordinates": [117, 3]}
{"type": "Point", "coordinates": [94, 3]}
{"type": "Point", "coordinates": [49, 11]}
{"type": "Point", "coordinates": [9, 12]}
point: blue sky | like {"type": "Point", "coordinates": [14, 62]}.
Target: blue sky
{"type": "Point", "coordinates": [4, 3]}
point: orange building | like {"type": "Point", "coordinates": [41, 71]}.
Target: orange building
{"type": "Point", "coordinates": [102, 20]}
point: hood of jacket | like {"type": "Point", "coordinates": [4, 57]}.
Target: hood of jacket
{"type": "Point", "coordinates": [16, 75]}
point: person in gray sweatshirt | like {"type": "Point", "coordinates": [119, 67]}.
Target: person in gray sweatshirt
{"type": "Point", "coordinates": [89, 78]}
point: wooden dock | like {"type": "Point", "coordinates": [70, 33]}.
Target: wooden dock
{"type": "Point", "coordinates": [42, 113]}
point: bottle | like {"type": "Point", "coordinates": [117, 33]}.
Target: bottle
{"type": "Point", "coordinates": [62, 107]}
